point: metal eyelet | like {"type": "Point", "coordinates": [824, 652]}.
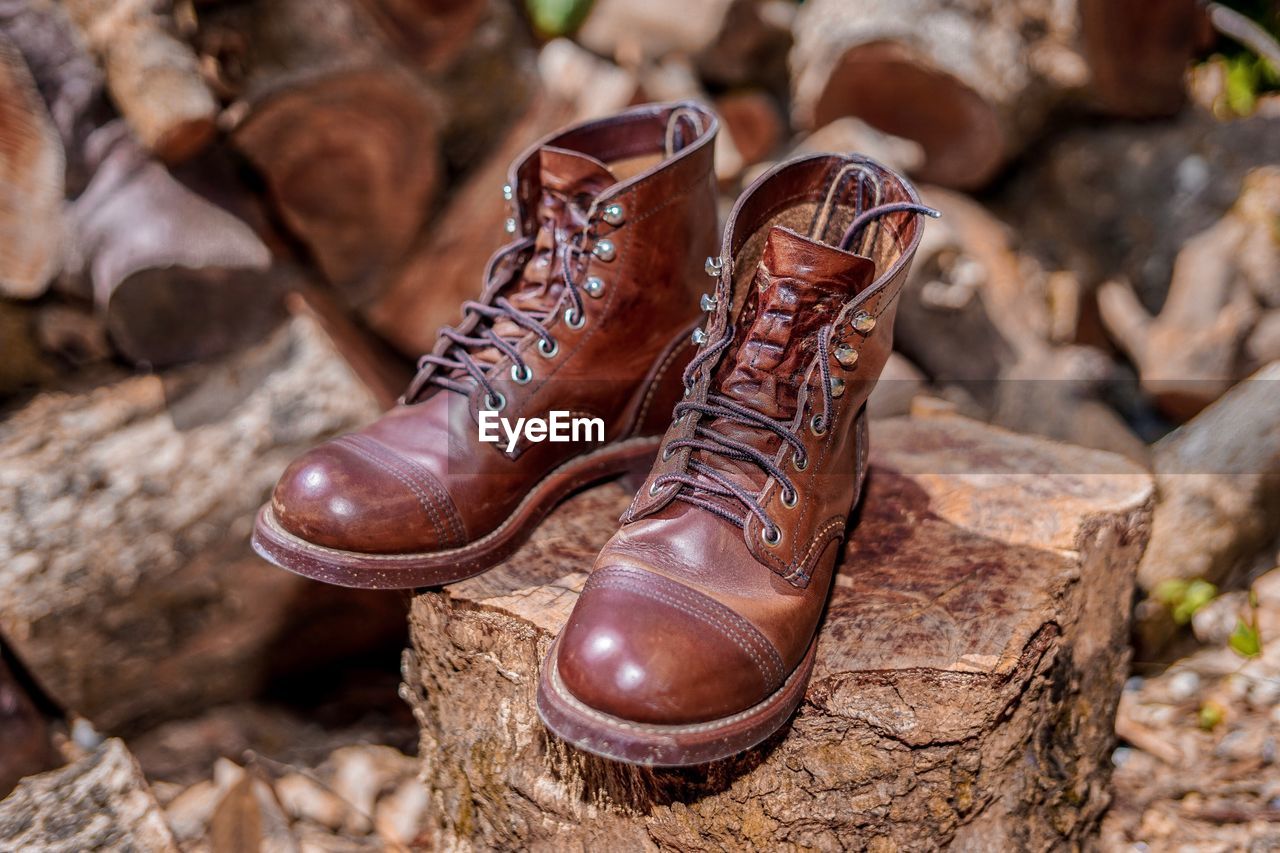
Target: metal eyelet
{"type": "Point", "coordinates": [863, 323]}
{"type": "Point", "coordinates": [798, 462]}
{"type": "Point", "coordinates": [507, 192]}
{"type": "Point", "coordinates": [713, 266]}
{"type": "Point", "coordinates": [789, 504]}
{"type": "Point", "coordinates": [613, 214]}
{"type": "Point", "coordinates": [510, 226]}
{"type": "Point", "coordinates": [575, 319]}
{"type": "Point", "coordinates": [707, 303]}
{"type": "Point", "coordinates": [594, 286]}
{"type": "Point", "coordinates": [548, 352]}
{"type": "Point", "coordinates": [774, 540]}
{"type": "Point", "coordinates": [816, 426]}
{"type": "Point", "coordinates": [604, 250]}
{"type": "Point", "coordinates": [699, 337]}
{"type": "Point", "coordinates": [495, 402]}
{"type": "Point", "coordinates": [667, 453]}
{"type": "Point", "coordinates": [521, 374]}
{"type": "Point", "coordinates": [654, 489]}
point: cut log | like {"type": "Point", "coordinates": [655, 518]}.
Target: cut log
{"type": "Point", "coordinates": [153, 76]}
{"type": "Point", "coordinates": [971, 83]}
{"type": "Point", "coordinates": [101, 802]}
{"type": "Point", "coordinates": [977, 317]}
{"type": "Point", "coordinates": [176, 277]}
{"type": "Point", "coordinates": [731, 42]}
{"type": "Point", "coordinates": [1218, 480]}
{"type": "Point", "coordinates": [351, 166]}
{"type": "Point", "coordinates": [427, 290]}
{"type": "Point", "coordinates": [25, 747]}
{"type": "Point", "coordinates": [967, 677]}
{"type": "Point", "coordinates": [70, 84]}
{"type": "Point", "coordinates": [1194, 349]}
{"type": "Point", "coordinates": [352, 134]}
{"type": "Point", "coordinates": [31, 182]}
{"type": "Point", "coordinates": [127, 585]}
{"type": "Point", "coordinates": [1122, 199]}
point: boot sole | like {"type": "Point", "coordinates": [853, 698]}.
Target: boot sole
{"type": "Point", "coordinates": [435, 568]}
{"type": "Point", "coordinates": [650, 745]}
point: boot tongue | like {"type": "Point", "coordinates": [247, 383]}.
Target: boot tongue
{"type": "Point", "coordinates": [800, 287]}
{"type": "Point", "coordinates": [569, 181]}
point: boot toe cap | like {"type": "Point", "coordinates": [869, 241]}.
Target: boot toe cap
{"type": "Point", "coordinates": [349, 497]}
{"type": "Point", "coordinates": [647, 649]}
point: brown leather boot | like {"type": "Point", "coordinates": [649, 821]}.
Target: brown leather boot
{"type": "Point", "coordinates": [694, 636]}
{"type": "Point", "coordinates": [587, 313]}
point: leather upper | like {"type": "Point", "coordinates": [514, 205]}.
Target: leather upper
{"type": "Point", "coordinates": [418, 479]}
{"type": "Point", "coordinates": [692, 612]}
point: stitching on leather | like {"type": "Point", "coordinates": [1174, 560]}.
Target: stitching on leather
{"type": "Point", "coordinates": [658, 376]}
{"type": "Point", "coordinates": [421, 475]}
{"type": "Point", "coordinates": [668, 200]}
{"type": "Point", "coordinates": [703, 602]}
{"type": "Point", "coordinates": [303, 545]}
{"type": "Point", "coordinates": [424, 500]}
{"type": "Point", "coordinates": [681, 600]}
{"type": "Point", "coordinates": [635, 580]}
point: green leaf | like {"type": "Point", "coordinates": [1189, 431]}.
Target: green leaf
{"type": "Point", "coordinates": [552, 18]}
{"type": "Point", "coordinates": [1184, 598]}
{"type": "Point", "coordinates": [1242, 85]}
{"type": "Point", "coordinates": [1245, 640]}
{"type": "Point", "coordinates": [1210, 715]}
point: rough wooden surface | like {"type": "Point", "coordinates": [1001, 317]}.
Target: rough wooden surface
{"type": "Point", "coordinates": [966, 682]}
{"type": "Point", "coordinates": [981, 77]}
{"type": "Point", "coordinates": [101, 802]}
{"type": "Point", "coordinates": [1218, 481]}
{"type": "Point", "coordinates": [31, 181]}
{"type": "Point", "coordinates": [126, 581]}
{"type": "Point", "coordinates": [152, 74]}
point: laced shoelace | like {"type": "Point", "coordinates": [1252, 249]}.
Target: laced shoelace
{"type": "Point", "coordinates": [699, 482]}
{"type": "Point", "coordinates": [440, 369]}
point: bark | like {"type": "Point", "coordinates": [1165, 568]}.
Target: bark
{"type": "Point", "coordinates": [939, 713]}
{"type": "Point", "coordinates": [153, 75]}
{"type": "Point", "coordinates": [127, 585]}
{"type": "Point", "coordinates": [176, 276]}
{"type": "Point", "coordinates": [972, 84]}
{"type": "Point", "coordinates": [101, 802]}
{"type": "Point", "coordinates": [31, 182]}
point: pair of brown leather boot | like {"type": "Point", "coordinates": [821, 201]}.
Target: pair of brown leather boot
{"type": "Point", "coordinates": [694, 636]}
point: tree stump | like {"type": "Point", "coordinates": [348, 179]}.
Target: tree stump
{"type": "Point", "coordinates": [127, 586]}
{"type": "Point", "coordinates": [967, 678]}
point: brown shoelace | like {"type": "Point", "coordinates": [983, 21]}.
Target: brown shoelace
{"type": "Point", "coordinates": [441, 370]}
{"type": "Point", "coordinates": [700, 482]}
